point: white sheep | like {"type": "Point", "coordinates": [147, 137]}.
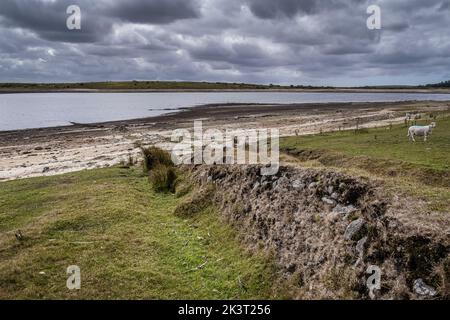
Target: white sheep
{"type": "Point", "coordinates": [424, 131]}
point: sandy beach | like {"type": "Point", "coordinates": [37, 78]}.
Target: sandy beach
{"type": "Point", "coordinates": [56, 150]}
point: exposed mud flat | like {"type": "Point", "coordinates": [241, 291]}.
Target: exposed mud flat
{"type": "Point", "coordinates": [325, 229]}
{"type": "Point", "coordinates": [50, 151]}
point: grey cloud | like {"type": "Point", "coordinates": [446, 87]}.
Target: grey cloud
{"type": "Point", "coordinates": [48, 19]}
{"type": "Point", "coordinates": [268, 9]}
{"type": "Point", "coordinates": [154, 11]}
{"type": "Point", "coordinates": [321, 42]}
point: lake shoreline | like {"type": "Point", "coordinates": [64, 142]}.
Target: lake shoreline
{"type": "Point", "coordinates": [28, 111]}
{"type": "Point", "coordinates": [56, 150]}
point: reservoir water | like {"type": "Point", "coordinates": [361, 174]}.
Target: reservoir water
{"type": "Point", "coordinates": [38, 110]}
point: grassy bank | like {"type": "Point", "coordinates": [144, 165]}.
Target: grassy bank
{"type": "Point", "coordinates": [422, 168]}
{"type": "Point", "coordinates": [124, 237]}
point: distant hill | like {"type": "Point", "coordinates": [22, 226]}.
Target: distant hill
{"type": "Point", "coordinates": [191, 85]}
{"type": "Point", "coordinates": [147, 85]}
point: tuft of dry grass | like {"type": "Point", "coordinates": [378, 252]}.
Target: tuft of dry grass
{"type": "Point", "coordinates": [163, 178]}
{"type": "Point", "coordinates": [154, 156]}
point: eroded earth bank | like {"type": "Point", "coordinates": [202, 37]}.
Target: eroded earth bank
{"type": "Point", "coordinates": [325, 229]}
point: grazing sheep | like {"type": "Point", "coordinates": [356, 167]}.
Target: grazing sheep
{"type": "Point", "coordinates": [424, 131]}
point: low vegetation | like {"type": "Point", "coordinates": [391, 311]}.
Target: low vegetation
{"type": "Point", "coordinates": [158, 165]}
{"type": "Point", "coordinates": [196, 202]}
{"type": "Point", "coordinates": [154, 157]}
{"type": "Point", "coordinates": [421, 167]}
{"type": "Point", "coordinates": [126, 240]}
{"type": "Point", "coordinates": [163, 178]}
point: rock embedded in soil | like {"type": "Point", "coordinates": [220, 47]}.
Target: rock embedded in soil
{"type": "Point", "coordinates": [328, 201]}
{"type": "Point", "coordinates": [344, 209]}
{"type": "Point", "coordinates": [354, 230]}
{"type": "Point", "coordinates": [423, 289]}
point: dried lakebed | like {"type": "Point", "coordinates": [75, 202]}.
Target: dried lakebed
{"type": "Point", "coordinates": [50, 151]}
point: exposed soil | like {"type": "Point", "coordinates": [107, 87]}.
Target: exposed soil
{"type": "Point", "coordinates": [325, 229]}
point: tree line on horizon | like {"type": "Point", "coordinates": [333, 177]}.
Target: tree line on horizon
{"type": "Point", "coordinates": [188, 85]}
{"type": "Point", "coordinates": [443, 84]}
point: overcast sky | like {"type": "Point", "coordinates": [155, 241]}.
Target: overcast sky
{"type": "Point", "coordinates": [317, 42]}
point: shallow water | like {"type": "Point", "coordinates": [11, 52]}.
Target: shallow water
{"type": "Point", "coordinates": [38, 110]}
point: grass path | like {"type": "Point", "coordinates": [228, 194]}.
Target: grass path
{"type": "Point", "coordinates": [124, 238]}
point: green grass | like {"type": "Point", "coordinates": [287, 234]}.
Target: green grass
{"type": "Point", "coordinates": [126, 240]}
{"type": "Point", "coordinates": [421, 169]}
{"type": "Point", "coordinates": [384, 144]}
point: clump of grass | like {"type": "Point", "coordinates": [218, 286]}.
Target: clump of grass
{"type": "Point", "coordinates": [183, 189]}
{"type": "Point", "coordinates": [154, 156]}
{"type": "Point", "coordinates": [163, 178]}
{"type": "Point", "coordinates": [195, 203]}
{"type": "Point", "coordinates": [160, 169]}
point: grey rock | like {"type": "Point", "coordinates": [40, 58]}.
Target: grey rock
{"type": "Point", "coordinates": [360, 246]}
{"type": "Point", "coordinates": [297, 184]}
{"type": "Point", "coordinates": [335, 195]}
{"type": "Point", "coordinates": [330, 189]}
{"type": "Point", "coordinates": [344, 209]}
{"type": "Point", "coordinates": [312, 185]}
{"type": "Point", "coordinates": [423, 289]}
{"type": "Point", "coordinates": [354, 229]}
{"type": "Point", "coordinates": [46, 169]}
{"type": "Point", "coordinates": [328, 201]}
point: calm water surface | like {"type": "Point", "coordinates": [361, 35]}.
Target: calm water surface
{"type": "Point", "coordinates": [37, 110]}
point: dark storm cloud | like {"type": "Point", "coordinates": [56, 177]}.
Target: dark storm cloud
{"type": "Point", "coordinates": [154, 11]}
{"type": "Point", "coordinates": [268, 9]}
{"type": "Point", "coordinates": [48, 19]}
{"type": "Point", "coordinates": [321, 42]}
